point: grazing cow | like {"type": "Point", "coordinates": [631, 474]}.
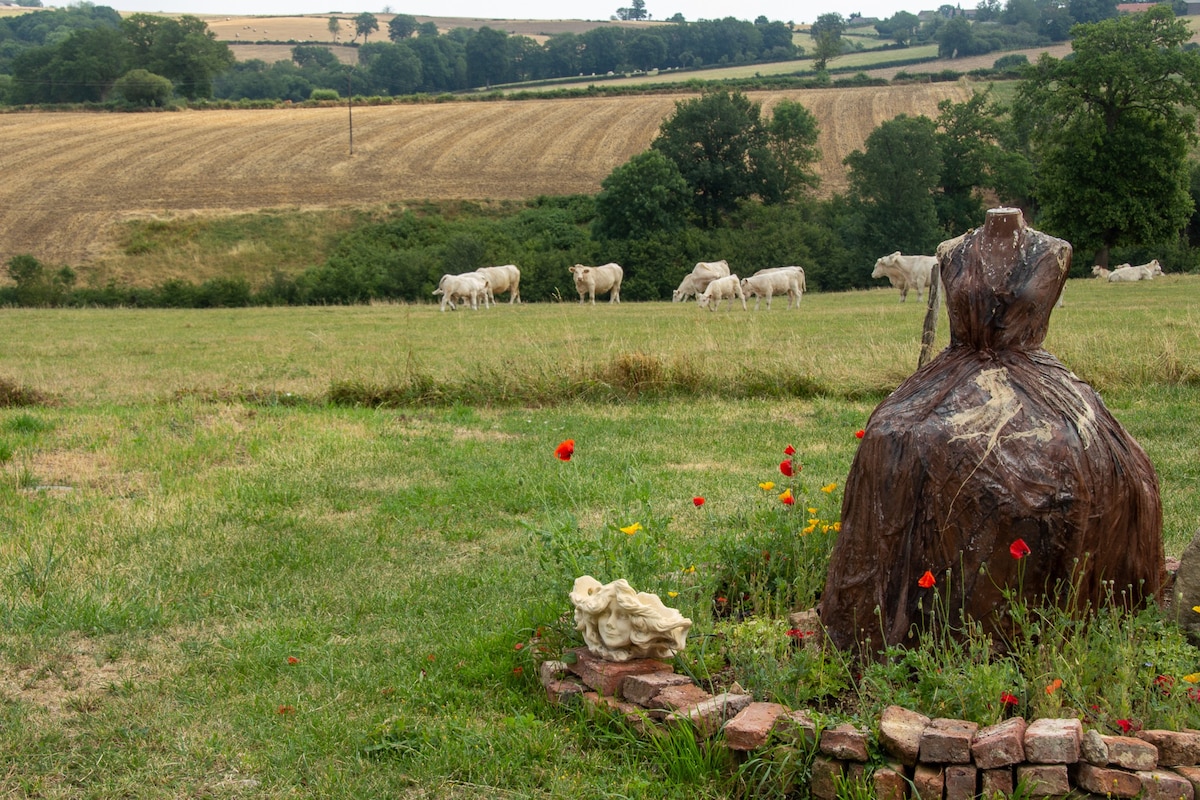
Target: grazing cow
{"type": "Point", "coordinates": [1142, 272]}
{"type": "Point", "coordinates": [775, 280]}
{"type": "Point", "coordinates": [696, 281]}
{"type": "Point", "coordinates": [503, 279]}
{"type": "Point", "coordinates": [728, 287]}
{"type": "Point", "coordinates": [591, 281]}
{"type": "Point", "coordinates": [905, 272]}
{"type": "Point", "coordinates": [468, 286]}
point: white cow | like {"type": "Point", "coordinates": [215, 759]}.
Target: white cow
{"type": "Point", "coordinates": [728, 287]}
{"type": "Point", "coordinates": [591, 281]}
{"type": "Point", "coordinates": [1142, 272]}
{"type": "Point", "coordinates": [503, 279]}
{"type": "Point", "coordinates": [468, 286]}
{"type": "Point", "coordinates": [905, 272]}
{"type": "Point", "coordinates": [696, 281]}
{"type": "Point", "coordinates": [1102, 272]}
{"type": "Point", "coordinates": [775, 280]}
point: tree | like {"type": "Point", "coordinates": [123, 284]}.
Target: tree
{"type": "Point", "coordinates": [1110, 129]}
{"type": "Point", "coordinates": [969, 136]}
{"type": "Point", "coordinates": [364, 24]}
{"type": "Point", "coordinates": [893, 180]}
{"type": "Point", "coordinates": [636, 11]}
{"type": "Point", "coordinates": [335, 27]}
{"type": "Point", "coordinates": [826, 34]}
{"type": "Point", "coordinates": [901, 27]}
{"type": "Point", "coordinates": [392, 69]}
{"type": "Point", "coordinates": [644, 195]}
{"type": "Point", "coordinates": [402, 26]}
{"type": "Point", "coordinates": [956, 39]}
{"type": "Point", "coordinates": [141, 88]}
{"type": "Point", "coordinates": [646, 51]}
{"type": "Point", "coordinates": [487, 57]}
{"type": "Point", "coordinates": [792, 139]}
{"type": "Point", "coordinates": [183, 50]}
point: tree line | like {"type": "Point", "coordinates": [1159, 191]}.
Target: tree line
{"type": "Point", "coordinates": [1096, 148]}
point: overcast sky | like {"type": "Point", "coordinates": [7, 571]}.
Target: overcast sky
{"type": "Point", "coordinates": [781, 10]}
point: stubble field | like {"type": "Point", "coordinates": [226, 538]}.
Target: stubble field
{"type": "Point", "coordinates": [71, 177]}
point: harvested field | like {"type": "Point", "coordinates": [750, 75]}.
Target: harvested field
{"type": "Point", "coordinates": [70, 176]}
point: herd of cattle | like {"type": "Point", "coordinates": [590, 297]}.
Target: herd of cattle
{"type": "Point", "coordinates": [710, 282]}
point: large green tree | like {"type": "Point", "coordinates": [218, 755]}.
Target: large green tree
{"type": "Point", "coordinates": [893, 180]}
{"type": "Point", "coordinates": [183, 50]}
{"type": "Point", "coordinates": [1110, 129]}
{"type": "Point", "coordinates": [826, 34]}
{"type": "Point", "coordinates": [645, 195]}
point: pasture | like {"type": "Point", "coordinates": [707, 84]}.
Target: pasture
{"type": "Point", "coordinates": [218, 582]}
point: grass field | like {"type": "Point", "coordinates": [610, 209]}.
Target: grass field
{"type": "Point", "coordinates": [217, 588]}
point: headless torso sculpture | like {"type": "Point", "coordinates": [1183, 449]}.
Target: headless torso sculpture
{"type": "Point", "coordinates": [991, 442]}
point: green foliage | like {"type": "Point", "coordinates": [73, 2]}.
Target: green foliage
{"type": "Point", "coordinates": [138, 87]}
{"type": "Point", "coordinates": [645, 195]}
{"type": "Point", "coordinates": [1111, 129]}
{"type": "Point", "coordinates": [826, 34]}
{"type": "Point", "coordinates": [324, 94]}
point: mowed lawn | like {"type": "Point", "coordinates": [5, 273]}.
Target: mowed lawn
{"type": "Point", "coordinates": [217, 583]}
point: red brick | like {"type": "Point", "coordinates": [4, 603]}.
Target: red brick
{"type": "Point", "coordinates": [1053, 741]}
{"type": "Point", "coordinates": [684, 695]}
{"type": "Point", "coordinates": [928, 782]}
{"type": "Point", "coordinates": [825, 774]}
{"type": "Point", "coordinates": [844, 741]}
{"type": "Point", "coordinates": [752, 727]}
{"type": "Point", "coordinates": [643, 689]}
{"type": "Point", "coordinates": [1161, 784]}
{"type": "Point", "coordinates": [889, 784]}
{"type": "Point", "coordinates": [948, 741]}
{"type": "Point", "coordinates": [1106, 781]}
{"type": "Point", "coordinates": [1044, 780]}
{"type": "Point", "coordinates": [562, 692]}
{"type": "Point", "coordinates": [1175, 748]}
{"type": "Point", "coordinates": [1130, 752]}
{"type": "Point", "coordinates": [960, 781]}
{"type": "Point", "coordinates": [606, 677]}
{"type": "Point", "coordinates": [900, 733]}
{"type": "Point", "coordinates": [996, 782]}
{"type": "Point", "coordinates": [708, 716]}
{"type": "Point", "coordinates": [1000, 745]}
{"type": "Point", "coordinates": [635, 716]}
{"type": "Point", "coordinates": [797, 727]}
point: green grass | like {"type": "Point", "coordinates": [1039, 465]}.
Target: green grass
{"type": "Point", "coordinates": [212, 587]}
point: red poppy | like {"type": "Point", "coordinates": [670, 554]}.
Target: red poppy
{"type": "Point", "coordinates": [1009, 699]}
{"type": "Point", "coordinates": [926, 581]}
{"type": "Point", "coordinates": [859, 433]}
{"type": "Point", "coordinates": [789, 450]}
{"type": "Point", "coordinates": [1125, 725]}
{"type": "Point", "coordinates": [786, 468]}
{"type": "Point", "coordinates": [565, 450]}
{"type": "Point", "coordinates": [285, 710]}
{"type": "Point", "coordinates": [697, 501]}
{"type": "Point", "coordinates": [1019, 549]}
{"type": "Point", "coordinates": [519, 646]}
{"type": "Point", "coordinates": [518, 670]}
{"type": "Point", "coordinates": [1164, 683]}
{"type": "Point", "coordinates": [796, 633]}
{"type": "Point", "coordinates": [293, 660]}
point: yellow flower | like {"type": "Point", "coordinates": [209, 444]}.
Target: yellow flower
{"type": "Point", "coordinates": [672, 594]}
{"type": "Point", "coordinates": [837, 526]}
{"type": "Point", "coordinates": [768, 486]}
{"type": "Point", "coordinates": [813, 522]}
{"type": "Point", "coordinates": [689, 570]}
{"type": "Point", "coordinates": [824, 529]}
{"type": "Point", "coordinates": [632, 529]}
{"type": "Point", "coordinates": [1193, 678]}
{"type": "Point", "coordinates": [786, 498]}
{"type": "Point", "coordinates": [828, 489]}
{"type": "Point", "coordinates": [812, 511]}
{"type": "Point", "coordinates": [809, 529]}
{"type": "Point", "coordinates": [1196, 609]}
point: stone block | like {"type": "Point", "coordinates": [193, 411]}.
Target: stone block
{"type": "Point", "coordinates": [1130, 753]}
{"type": "Point", "coordinates": [1044, 780]}
{"type": "Point", "coordinates": [1175, 748]}
{"type": "Point", "coordinates": [961, 780]}
{"type": "Point", "coordinates": [900, 733]}
{"type": "Point", "coordinates": [928, 782]}
{"type": "Point", "coordinates": [1106, 781]}
{"type": "Point", "coordinates": [643, 689]}
{"type": "Point", "coordinates": [947, 741]}
{"type": "Point", "coordinates": [808, 630]}
{"type": "Point", "coordinates": [680, 696]}
{"type": "Point", "coordinates": [752, 727]}
{"type": "Point", "coordinates": [889, 783]}
{"type": "Point", "coordinates": [1161, 784]}
{"type": "Point", "coordinates": [551, 671]}
{"type": "Point", "coordinates": [1000, 745]}
{"type": "Point", "coordinates": [561, 692]}
{"type": "Point", "coordinates": [709, 715]}
{"type": "Point", "coordinates": [825, 774]}
{"type": "Point", "coordinates": [1190, 774]}
{"type": "Point", "coordinates": [993, 782]}
{"type": "Point", "coordinates": [634, 716]}
{"type": "Point", "coordinates": [606, 677]}
{"type": "Point", "coordinates": [797, 727]}
{"type": "Point", "coordinates": [845, 742]}
{"type": "Point", "coordinates": [1053, 741]}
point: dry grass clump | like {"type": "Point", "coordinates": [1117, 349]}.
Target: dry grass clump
{"type": "Point", "coordinates": [13, 395]}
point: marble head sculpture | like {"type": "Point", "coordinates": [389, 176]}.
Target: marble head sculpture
{"type": "Point", "coordinates": [619, 623]}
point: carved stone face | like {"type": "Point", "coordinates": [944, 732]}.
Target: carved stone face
{"type": "Point", "coordinates": [619, 624]}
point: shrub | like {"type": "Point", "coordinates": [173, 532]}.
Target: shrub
{"type": "Point", "coordinates": [324, 94]}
